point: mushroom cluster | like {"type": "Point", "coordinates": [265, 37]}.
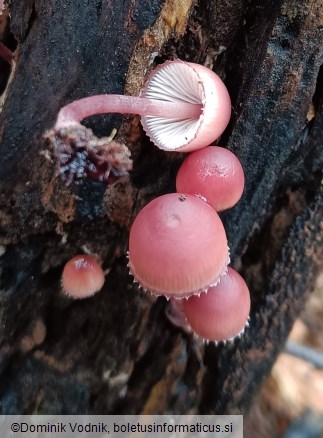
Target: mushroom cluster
{"type": "Point", "coordinates": [178, 248]}
{"type": "Point", "coordinates": [177, 245]}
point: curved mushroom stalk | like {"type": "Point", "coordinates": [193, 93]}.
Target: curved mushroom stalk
{"type": "Point", "coordinates": [183, 106]}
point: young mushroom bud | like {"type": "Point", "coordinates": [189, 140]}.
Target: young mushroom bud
{"type": "Point", "coordinates": [177, 246]}
{"type": "Point", "coordinates": [214, 173]}
{"type": "Point", "coordinates": [82, 277]}
{"type": "Point", "coordinates": [222, 312]}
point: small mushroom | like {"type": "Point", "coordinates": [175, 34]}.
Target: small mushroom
{"type": "Point", "coordinates": [220, 314]}
{"type": "Point", "coordinates": [82, 277]}
{"type": "Point", "coordinates": [213, 173]}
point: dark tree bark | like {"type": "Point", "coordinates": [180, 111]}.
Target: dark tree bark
{"type": "Point", "coordinates": [116, 352]}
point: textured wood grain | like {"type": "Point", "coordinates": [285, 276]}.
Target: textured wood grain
{"type": "Point", "coordinates": [117, 352]}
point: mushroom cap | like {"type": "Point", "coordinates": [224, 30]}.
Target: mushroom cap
{"type": "Point", "coordinates": [214, 173]}
{"type": "Point", "coordinates": [179, 81]}
{"type": "Point", "coordinates": [222, 312]}
{"type": "Point", "coordinates": [82, 276]}
{"type": "Point", "coordinates": [177, 246]}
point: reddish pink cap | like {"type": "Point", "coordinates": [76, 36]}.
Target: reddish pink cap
{"type": "Point", "coordinates": [214, 173]}
{"type": "Point", "coordinates": [82, 276]}
{"type": "Point", "coordinates": [222, 312]}
{"type": "Point", "coordinates": [177, 246]}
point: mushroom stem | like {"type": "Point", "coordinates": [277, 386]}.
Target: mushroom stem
{"type": "Point", "coordinates": [6, 53]}
{"type": "Point", "coordinates": [78, 110]}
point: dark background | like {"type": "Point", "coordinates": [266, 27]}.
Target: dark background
{"type": "Point", "coordinates": [116, 352]}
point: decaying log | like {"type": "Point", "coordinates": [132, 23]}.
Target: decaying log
{"type": "Point", "coordinates": [117, 352]}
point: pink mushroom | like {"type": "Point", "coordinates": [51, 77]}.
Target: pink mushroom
{"type": "Point", "coordinates": [222, 312]}
{"type": "Point", "coordinates": [82, 276]}
{"type": "Point", "coordinates": [184, 106]}
{"type": "Point", "coordinates": [177, 246]}
{"type": "Point", "coordinates": [213, 173]}
{"type": "Point", "coordinates": [194, 84]}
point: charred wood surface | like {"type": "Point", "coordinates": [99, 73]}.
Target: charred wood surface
{"type": "Point", "coordinates": [116, 352]}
